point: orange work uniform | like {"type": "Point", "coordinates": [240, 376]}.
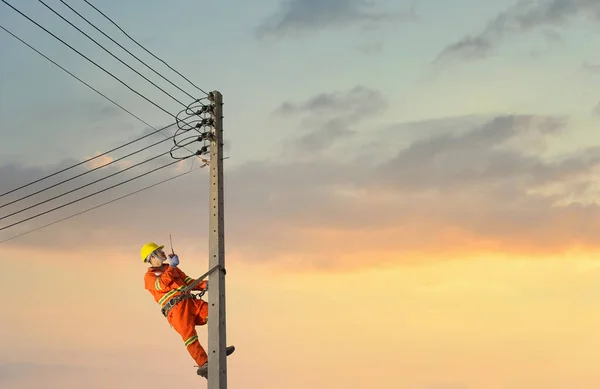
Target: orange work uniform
{"type": "Point", "coordinates": [164, 283]}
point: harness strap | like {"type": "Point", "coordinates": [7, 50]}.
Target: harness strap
{"type": "Point", "coordinates": [174, 301]}
{"type": "Point", "coordinates": [203, 276]}
{"type": "Point", "coordinates": [185, 293]}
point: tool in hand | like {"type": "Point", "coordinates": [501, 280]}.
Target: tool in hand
{"type": "Point", "coordinates": [171, 240]}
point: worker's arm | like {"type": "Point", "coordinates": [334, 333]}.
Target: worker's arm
{"type": "Point", "coordinates": [163, 282]}
{"type": "Point", "coordinates": [188, 280]}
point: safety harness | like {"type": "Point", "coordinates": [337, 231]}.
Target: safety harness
{"type": "Point", "coordinates": [185, 292]}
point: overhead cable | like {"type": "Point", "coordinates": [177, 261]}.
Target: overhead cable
{"type": "Point", "coordinates": [101, 205]}
{"type": "Point", "coordinates": [109, 52]}
{"type": "Point", "coordinates": [87, 160]}
{"type": "Point", "coordinates": [98, 180]}
{"type": "Point", "coordinates": [121, 46]}
{"type": "Point", "coordinates": [101, 94]}
{"type": "Point", "coordinates": [74, 76]}
{"type": "Point", "coordinates": [84, 56]}
{"type": "Point", "coordinates": [140, 45]}
{"type": "Point", "coordinates": [90, 195]}
{"type": "Point", "coordinates": [84, 173]}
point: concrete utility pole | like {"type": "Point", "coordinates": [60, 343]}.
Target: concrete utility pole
{"type": "Point", "coordinates": [217, 360]}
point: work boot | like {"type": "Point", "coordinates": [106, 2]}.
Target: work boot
{"type": "Point", "coordinates": [203, 370]}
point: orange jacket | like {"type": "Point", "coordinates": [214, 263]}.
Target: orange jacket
{"type": "Point", "coordinates": [166, 281]}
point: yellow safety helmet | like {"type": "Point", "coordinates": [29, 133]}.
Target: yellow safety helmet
{"type": "Point", "coordinates": [148, 249]}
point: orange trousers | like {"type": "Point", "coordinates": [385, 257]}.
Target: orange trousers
{"type": "Point", "coordinates": [184, 317]}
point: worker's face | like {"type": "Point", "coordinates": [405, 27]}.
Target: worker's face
{"type": "Point", "coordinates": [157, 258]}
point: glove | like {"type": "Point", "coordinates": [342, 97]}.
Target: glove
{"type": "Point", "coordinates": [173, 260]}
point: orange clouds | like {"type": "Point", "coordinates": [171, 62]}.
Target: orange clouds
{"type": "Point", "coordinates": [414, 229]}
{"type": "Point", "coordinates": [472, 188]}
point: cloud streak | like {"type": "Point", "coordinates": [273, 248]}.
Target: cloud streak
{"type": "Point", "coordinates": [523, 17]}
{"type": "Point", "coordinates": [301, 16]}
{"type": "Point", "coordinates": [477, 187]}
{"type": "Point", "coordinates": [328, 118]}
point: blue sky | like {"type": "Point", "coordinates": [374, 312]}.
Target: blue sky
{"type": "Point", "coordinates": [316, 91]}
{"type": "Point", "coordinates": [218, 47]}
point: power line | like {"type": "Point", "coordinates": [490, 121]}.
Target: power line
{"type": "Point", "coordinates": [101, 205]}
{"type": "Point", "coordinates": [112, 75]}
{"type": "Point", "coordinates": [84, 56]}
{"type": "Point", "coordinates": [109, 52]}
{"type": "Point", "coordinates": [98, 92]}
{"type": "Point", "coordinates": [90, 195]}
{"type": "Point", "coordinates": [129, 52]}
{"type": "Point", "coordinates": [93, 182]}
{"type": "Point", "coordinates": [148, 51]}
{"type": "Point", "coordinates": [82, 174]}
{"type": "Point", "coordinates": [87, 160]}
{"type": "Point", "coordinates": [74, 76]}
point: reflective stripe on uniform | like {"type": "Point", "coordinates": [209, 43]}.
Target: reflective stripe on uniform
{"type": "Point", "coordinates": [170, 294]}
{"type": "Point", "coordinates": [157, 284]}
{"type": "Point", "coordinates": [191, 340]}
{"type": "Point", "coordinates": [188, 279]}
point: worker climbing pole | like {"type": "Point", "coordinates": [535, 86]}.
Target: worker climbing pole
{"type": "Point", "coordinates": [171, 287]}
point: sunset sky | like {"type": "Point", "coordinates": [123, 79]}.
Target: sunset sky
{"type": "Point", "coordinates": [410, 193]}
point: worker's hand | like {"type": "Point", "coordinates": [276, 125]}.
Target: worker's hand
{"type": "Point", "coordinates": [173, 260]}
{"type": "Point", "coordinates": [203, 285]}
